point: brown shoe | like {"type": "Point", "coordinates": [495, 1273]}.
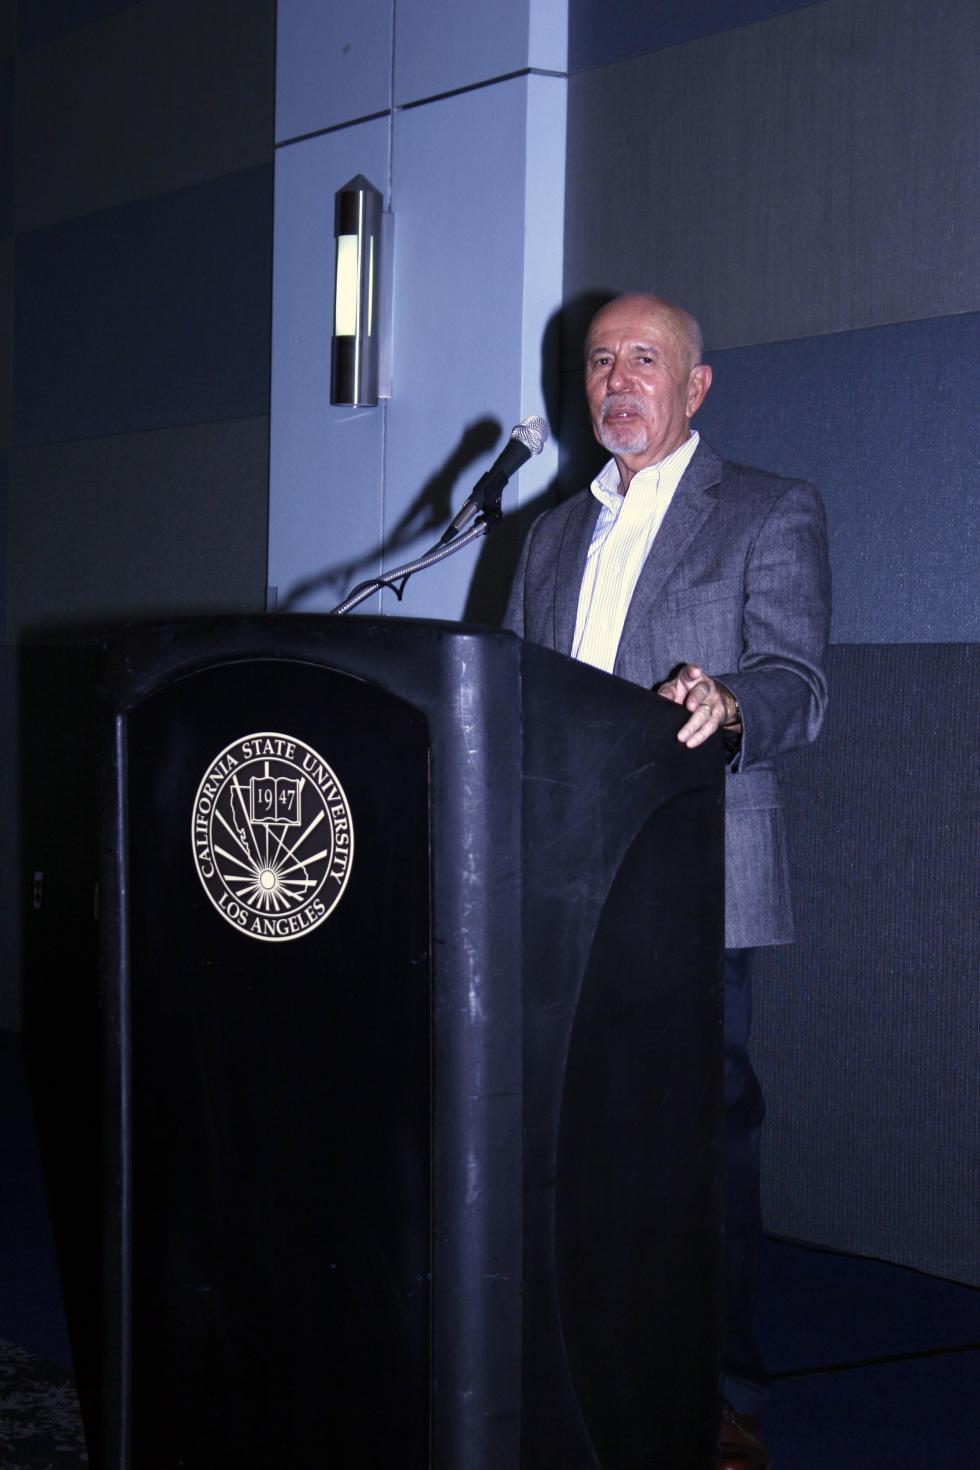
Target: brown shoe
{"type": "Point", "coordinates": [742, 1447]}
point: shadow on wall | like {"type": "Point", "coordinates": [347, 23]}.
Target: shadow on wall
{"type": "Point", "coordinates": [579, 457]}
{"type": "Point", "coordinates": [434, 505]}
{"type": "Point", "coordinates": [429, 513]}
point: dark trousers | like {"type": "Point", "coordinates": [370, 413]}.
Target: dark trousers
{"type": "Point", "coordinates": [745, 1383]}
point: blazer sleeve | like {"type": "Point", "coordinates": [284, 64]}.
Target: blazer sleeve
{"type": "Point", "coordinates": [514, 617]}
{"type": "Point", "coordinates": [780, 682]}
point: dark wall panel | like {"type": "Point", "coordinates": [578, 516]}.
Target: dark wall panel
{"type": "Point", "coordinates": [180, 516]}
{"type": "Point", "coordinates": [814, 173]}
{"type": "Point", "coordinates": [868, 1029]}
{"type": "Point", "coordinates": [39, 20]}
{"type": "Point", "coordinates": [161, 95]}
{"type": "Point", "coordinates": [4, 517]}
{"type": "Point", "coordinates": [887, 423]}
{"type": "Point", "coordinates": [150, 314]}
{"type": "Point", "coordinates": [8, 27]}
{"type": "Point", "coordinates": [11, 874]}
{"type": "Point", "coordinates": [6, 334]}
{"type": "Point", "coordinates": [6, 147]}
{"type": "Point", "coordinates": [600, 32]}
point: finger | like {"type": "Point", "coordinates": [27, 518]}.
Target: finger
{"type": "Point", "coordinates": [702, 693]}
{"type": "Point", "coordinates": [704, 721]}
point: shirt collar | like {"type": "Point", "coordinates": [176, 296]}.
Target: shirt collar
{"type": "Point", "coordinates": [605, 486]}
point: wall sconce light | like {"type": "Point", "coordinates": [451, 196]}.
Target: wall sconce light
{"type": "Point", "coordinates": [360, 366]}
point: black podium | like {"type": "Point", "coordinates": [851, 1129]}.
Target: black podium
{"type": "Point", "coordinates": [412, 947]}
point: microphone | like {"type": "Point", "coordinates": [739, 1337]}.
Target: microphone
{"type": "Point", "coordinates": [526, 439]}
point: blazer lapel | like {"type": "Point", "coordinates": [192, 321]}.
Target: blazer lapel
{"type": "Point", "coordinates": [694, 500]}
{"type": "Point", "coordinates": [572, 553]}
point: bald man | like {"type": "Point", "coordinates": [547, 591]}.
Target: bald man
{"type": "Point", "coordinates": [709, 582]}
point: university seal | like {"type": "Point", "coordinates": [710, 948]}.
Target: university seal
{"type": "Point", "coordinates": [272, 836]}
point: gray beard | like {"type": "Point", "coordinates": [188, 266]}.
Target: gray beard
{"type": "Point", "coordinates": [623, 438]}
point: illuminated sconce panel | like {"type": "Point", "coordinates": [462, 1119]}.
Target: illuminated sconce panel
{"type": "Point", "coordinates": [358, 305]}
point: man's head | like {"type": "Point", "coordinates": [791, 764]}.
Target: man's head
{"type": "Point", "coordinates": [644, 379]}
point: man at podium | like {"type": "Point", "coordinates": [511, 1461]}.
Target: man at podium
{"type": "Point", "coordinates": [709, 582]}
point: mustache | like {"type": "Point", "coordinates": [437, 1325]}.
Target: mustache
{"type": "Point", "coordinates": [615, 402]}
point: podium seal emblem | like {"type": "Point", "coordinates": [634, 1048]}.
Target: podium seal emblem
{"type": "Point", "coordinates": [272, 836]}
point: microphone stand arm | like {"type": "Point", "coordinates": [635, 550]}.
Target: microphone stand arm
{"type": "Point", "coordinates": [438, 553]}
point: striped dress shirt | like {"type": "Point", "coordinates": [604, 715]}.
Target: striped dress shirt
{"type": "Point", "coordinates": [621, 541]}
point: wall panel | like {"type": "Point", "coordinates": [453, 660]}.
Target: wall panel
{"type": "Point", "coordinates": [600, 33]}
{"type": "Point", "coordinates": [814, 173]}
{"type": "Point", "coordinates": [178, 515]}
{"type": "Point", "coordinates": [150, 99]}
{"type": "Point", "coordinates": [153, 313]}
{"type": "Point", "coordinates": [39, 20]}
{"type": "Point", "coordinates": [441, 45]}
{"type": "Point", "coordinates": [6, 334]}
{"type": "Point", "coordinates": [6, 146]}
{"type": "Point", "coordinates": [8, 27]}
{"type": "Point", "coordinates": [350, 44]}
{"type": "Point", "coordinates": [887, 423]}
{"type": "Point", "coordinates": [4, 538]}
{"type": "Point", "coordinates": [868, 1028]}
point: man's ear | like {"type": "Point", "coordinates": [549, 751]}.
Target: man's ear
{"type": "Point", "coordinates": [697, 388]}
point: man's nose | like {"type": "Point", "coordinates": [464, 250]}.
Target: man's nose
{"type": "Point", "coordinates": [618, 378]}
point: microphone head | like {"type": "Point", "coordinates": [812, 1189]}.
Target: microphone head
{"type": "Point", "coordinates": [532, 433]}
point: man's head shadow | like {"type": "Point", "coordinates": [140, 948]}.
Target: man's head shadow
{"type": "Point", "coordinates": [579, 457]}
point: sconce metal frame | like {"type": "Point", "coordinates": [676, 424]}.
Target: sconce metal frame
{"type": "Point", "coordinates": [360, 365]}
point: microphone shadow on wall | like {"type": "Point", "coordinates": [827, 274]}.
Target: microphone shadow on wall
{"type": "Point", "coordinates": [579, 457]}
{"type": "Point", "coordinates": [428, 515]}
{"type": "Point", "coordinates": [433, 507]}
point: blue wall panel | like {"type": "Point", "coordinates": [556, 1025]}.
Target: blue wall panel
{"type": "Point", "coordinates": [887, 422]}
{"type": "Point", "coordinates": [146, 315]}
{"type": "Point", "coordinates": [349, 44]}
{"type": "Point", "coordinates": [600, 32]}
{"type": "Point", "coordinates": [40, 20]}
{"type": "Point", "coordinates": [443, 44]}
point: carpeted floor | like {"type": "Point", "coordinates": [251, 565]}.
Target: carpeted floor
{"type": "Point", "coordinates": [40, 1426]}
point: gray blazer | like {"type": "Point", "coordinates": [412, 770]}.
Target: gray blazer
{"type": "Point", "coordinates": [738, 582]}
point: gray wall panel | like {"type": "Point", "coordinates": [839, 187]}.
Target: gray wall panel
{"type": "Point", "coordinates": [179, 515]}
{"type": "Point", "coordinates": [6, 334]}
{"type": "Point", "coordinates": [11, 1009]}
{"type": "Point", "coordinates": [813, 173]}
{"type": "Point", "coordinates": [887, 423]}
{"type": "Point", "coordinates": [152, 98]}
{"type": "Point", "coordinates": [599, 33]}
{"type": "Point", "coordinates": [6, 146]}
{"type": "Point", "coordinates": [868, 1028]}
{"type": "Point", "coordinates": [4, 518]}
{"type": "Point", "coordinates": [8, 27]}
{"type": "Point", "coordinates": [39, 20]}
{"type": "Point", "coordinates": [150, 314]}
